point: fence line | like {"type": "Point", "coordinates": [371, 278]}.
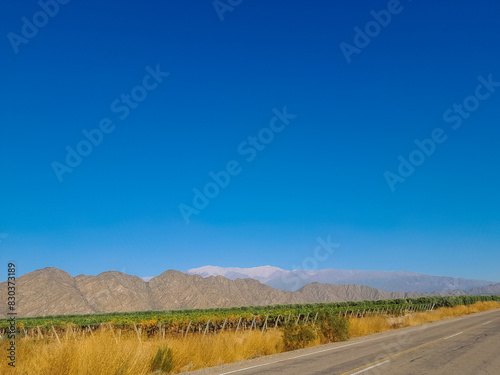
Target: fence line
{"type": "Point", "coordinates": [255, 322]}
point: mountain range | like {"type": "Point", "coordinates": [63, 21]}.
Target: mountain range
{"type": "Point", "coordinates": [51, 291]}
{"type": "Point", "coordinates": [389, 281]}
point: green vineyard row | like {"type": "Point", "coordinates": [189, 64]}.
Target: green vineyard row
{"type": "Point", "coordinates": [178, 319]}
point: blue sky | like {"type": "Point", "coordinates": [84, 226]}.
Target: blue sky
{"type": "Point", "coordinates": [325, 173]}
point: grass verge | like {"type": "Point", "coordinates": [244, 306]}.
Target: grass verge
{"type": "Point", "coordinates": [369, 325]}
{"type": "Point", "coordinates": [103, 353]}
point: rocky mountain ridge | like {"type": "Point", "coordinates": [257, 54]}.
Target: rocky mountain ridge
{"type": "Point", "coordinates": [389, 281]}
{"type": "Point", "coordinates": [51, 291]}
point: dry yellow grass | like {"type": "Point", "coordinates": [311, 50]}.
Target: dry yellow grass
{"type": "Point", "coordinates": [375, 324]}
{"type": "Point", "coordinates": [448, 312]}
{"type": "Point", "coordinates": [101, 354]}
{"type": "Point", "coordinates": [368, 325]}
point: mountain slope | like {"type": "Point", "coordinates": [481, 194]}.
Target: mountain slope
{"type": "Point", "coordinates": [490, 289]}
{"type": "Point", "coordinates": [389, 281]}
{"type": "Point", "coordinates": [51, 291]}
{"type": "Point", "coordinates": [45, 292]}
{"type": "Point", "coordinates": [262, 274]}
{"type": "Point", "coordinates": [123, 292]}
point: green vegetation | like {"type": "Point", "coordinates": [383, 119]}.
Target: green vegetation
{"type": "Point", "coordinates": [163, 361]}
{"type": "Point", "coordinates": [332, 328]}
{"type": "Point", "coordinates": [258, 316]}
{"type": "Point", "coordinates": [327, 328]}
{"type": "Point", "coordinates": [297, 336]}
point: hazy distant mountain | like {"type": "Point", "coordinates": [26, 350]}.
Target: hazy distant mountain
{"type": "Point", "coordinates": [490, 289]}
{"type": "Point", "coordinates": [389, 281]}
{"type": "Point", "coordinates": [263, 274]}
{"type": "Point", "coordinates": [51, 291]}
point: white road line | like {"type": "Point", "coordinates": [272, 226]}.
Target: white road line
{"type": "Point", "coordinates": [299, 356]}
{"type": "Point", "coordinates": [316, 352]}
{"type": "Point", "coordinates": [369, 368]}
{"type": "Point", "coordinates": [487, 323]}
{"type": "Point", "coordinates": [456, 334]}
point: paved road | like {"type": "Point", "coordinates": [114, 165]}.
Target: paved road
{"type": "Point", "coordinates": [468, 345]}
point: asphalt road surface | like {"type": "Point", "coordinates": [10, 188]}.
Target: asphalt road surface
{"type": "Point", "coordinates": [468, 345]}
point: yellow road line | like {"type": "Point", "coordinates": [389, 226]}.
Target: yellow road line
{"type": "Point", "coordinates": [403, 352]}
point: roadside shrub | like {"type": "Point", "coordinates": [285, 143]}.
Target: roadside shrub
{"type": "Point", "coordinates": [332, 328]}
{"type": "Point", "coordinates": [163, 362]}
{"type": "Point", "coordinates": [297, 336]}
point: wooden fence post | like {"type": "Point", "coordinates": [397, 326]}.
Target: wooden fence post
{"type": "Point", "coordinates": [112, 332]}
{"type": "Point", "coordinates": [55, 333]}
{"type": "Point", "coordinates": [90, 329]}
{"type": "Point", "coordinates": [187, 329]}
{"type": "Point", "coordinates": [276, 322]}
{"type": "Point", "coordinates": [137, 332]}
{"type": "Point", "coordinates": [238, 326]}
{"type": "Point", "coordinates": [40, 335]}
{"type": "Point", "coordinates": [206, 328]}
{"type": "Point", "coordinates": [264, 326]}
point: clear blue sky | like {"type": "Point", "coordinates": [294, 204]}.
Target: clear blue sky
{"type": "Point", "coordinates": [322, 175]}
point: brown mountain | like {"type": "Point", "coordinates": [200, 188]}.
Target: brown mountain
{"type": "Point", "coordinates": [490, 289]}
{"type": "Point", "coordinates": [51, 291]}
{"type": "Point", "coordinates": [48, 292]}
{"type": "Point", "coordinates": [316, 292]}
{"type": "Point", "coordinates": [115, 290]}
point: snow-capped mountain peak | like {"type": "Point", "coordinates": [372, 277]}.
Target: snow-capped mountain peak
{"type": "Point", "coordinates": [259, 273]}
